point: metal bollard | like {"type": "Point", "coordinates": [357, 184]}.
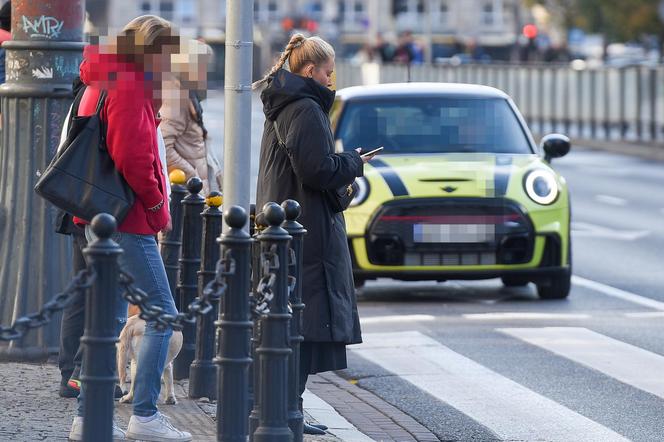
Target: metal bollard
{"type": "Point", "coordinates": [171, 243]}
{"type": "Point", "coordinates": [254, 372]}
{"type": "Point", "coordinates": [234, 350]}
{"type": "Point", "coordinates": [99, 374]}
{"type": "Point", "coordinates": [274, 350]}
{"type": "Point", "coordinates": [203, 372]}
{"type": "Point", "coordinates": [297, 231]}
{"type": "Point", "coordinates": [187, 289]}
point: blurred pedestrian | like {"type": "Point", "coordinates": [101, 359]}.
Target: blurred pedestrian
{"type": "Point", "coordinates": [306, 169]}
{"type": "Point", "coordinates": [128, 71]}
{"type": "Point", "coordinates": [185, 135]}
{"type": "Point", "coordinates": [384, 49]}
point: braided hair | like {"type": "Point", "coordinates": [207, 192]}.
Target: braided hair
{"type": "Point", "coordinates": [299, 52]}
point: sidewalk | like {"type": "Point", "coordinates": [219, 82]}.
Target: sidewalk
{"type": "Point", "coordinates": [31, 410]}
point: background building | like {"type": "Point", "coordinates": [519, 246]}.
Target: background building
{"type": "Point", "coordinates": [442, 28]}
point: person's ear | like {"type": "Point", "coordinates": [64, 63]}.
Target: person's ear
{"type": "Point", "coordinates": [309, 70]}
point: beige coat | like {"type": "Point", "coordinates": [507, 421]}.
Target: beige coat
{"type": "Point", "coordinates": [185, 146]}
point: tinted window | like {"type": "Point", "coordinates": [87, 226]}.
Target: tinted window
{"type": "Point", "coordinates": [432, 125]}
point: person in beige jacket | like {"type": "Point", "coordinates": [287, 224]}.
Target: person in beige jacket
{"type": "Point", "coordinates": [183, 129]}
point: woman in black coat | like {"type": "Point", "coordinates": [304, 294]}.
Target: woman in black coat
{"type": "Point", "coordinates": [303, 168]}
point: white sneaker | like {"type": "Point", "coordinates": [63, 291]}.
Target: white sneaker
{"type": "Point", "coordinates": [76, 432]}
{"type": "Point", "coordinates": [158, 429]}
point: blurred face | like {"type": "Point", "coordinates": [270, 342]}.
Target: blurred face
{"type": "Point", "coordinates": [321, 73]}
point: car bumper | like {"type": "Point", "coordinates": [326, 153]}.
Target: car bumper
{"type": "Point", "coordinates": [543, 254]}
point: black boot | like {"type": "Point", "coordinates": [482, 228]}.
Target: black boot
{"type": "Point", "coordinates": [311, 429]}
{"type": "Point", "coordinates": [320, 426]}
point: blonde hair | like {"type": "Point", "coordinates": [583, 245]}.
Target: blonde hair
{"type": "Point", "coordinates": [146, 34]}
{"type": "Point", "coordinates": [299, 52]}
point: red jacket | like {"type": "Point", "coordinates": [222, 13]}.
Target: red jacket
{"type": "Point", "coordinates": [131, 135]}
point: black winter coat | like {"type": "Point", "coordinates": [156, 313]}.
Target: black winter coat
{"type": "Point", "coordinates": [302, 171]}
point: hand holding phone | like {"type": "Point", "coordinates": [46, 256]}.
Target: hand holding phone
{"type": "Point", "coordinates": [372, 152]}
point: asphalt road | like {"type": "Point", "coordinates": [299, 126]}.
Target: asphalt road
{"type": "Point", "coordinates": [474, 361]}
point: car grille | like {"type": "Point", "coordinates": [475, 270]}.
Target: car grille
{"type": "Point", "coordinates": [450, 232]}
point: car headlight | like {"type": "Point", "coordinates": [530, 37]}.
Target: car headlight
{"type": "Point", "coordinates": [541, 186]}
{"type": "Point", "coordinates": [362, 192]}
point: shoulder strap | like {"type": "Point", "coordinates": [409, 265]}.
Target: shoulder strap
{"type": "Point", "coordinates": [100, 103]}
{"type": "Point", "coordinates": [276, 131]}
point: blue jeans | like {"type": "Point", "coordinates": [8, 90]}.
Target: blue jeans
{"type": "Point", "coordinates": [141, 258]}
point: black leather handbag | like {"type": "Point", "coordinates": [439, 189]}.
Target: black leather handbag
{"type": "Point", "coordinates": [82, 179]}
{"type": "Point", "coordinates": [339, 199]}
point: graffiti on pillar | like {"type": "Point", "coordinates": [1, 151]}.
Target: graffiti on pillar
{"type": "Point", "coordinates": [66, 67]}
{"type": "Point", "coordinates": [15, 66]}
{"type": "Point", "coordinates": [42, 27]}
{"type": "Point", "coordinates": [43, 72]}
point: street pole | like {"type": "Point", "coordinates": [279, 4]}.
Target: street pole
{"type": "Point", "coordinates": [41, 62]}
{"type": "Point", "coordinates": [237, 116]}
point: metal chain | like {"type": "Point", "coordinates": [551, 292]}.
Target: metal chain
{"type": "Point", "coordinates": [264, 292]}
{"type": "Point", "coordinates": [78, 285]}
{"type": "Point", "coordinates": [202, 305]}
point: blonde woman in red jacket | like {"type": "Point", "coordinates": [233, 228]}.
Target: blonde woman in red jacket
{"type": "Point", "coordinates": [129, 70]}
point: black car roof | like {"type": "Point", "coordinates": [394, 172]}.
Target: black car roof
{"type": "Point", "coordinates": [420, 89]}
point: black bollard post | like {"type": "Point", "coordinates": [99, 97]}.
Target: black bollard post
{"type": "Point", "coordinates": [171, 242]}
{"type": "Point", "coordinates": [203, 372]}
{"type": "Point", "coordinates": [297, 231]}
{"type": "Point", "coordinates": [254, 373]}
{"type": "Point", "coordinates": [274, 350]}
{"type": "Point", "coordinates": [187, 290]}
{"type": "Point", "coordinates": [234, 354]}
{"type": "Point", "coordinates": [99, 377]}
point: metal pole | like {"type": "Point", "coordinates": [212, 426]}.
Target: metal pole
{"type": "Point", "coordinates": [99, 374]}
{"type": "Point", "coordinates": [254, 372]}
{"type": "Point", "coordinates": [274, 350]}
{"type": "Point", "coordinates": [237, 116]}
{"type": "Point", "coordinates": [187, 290]}
{"type": "Point", "coordinates": [297, 231]}
{"type": "Point", "coordinates": [42, 60]}
{"type": "Point", "coordinates": [234, 356]}
{"type": "Point", "coordinates": [203, 372]}
{"type": "Point", "coordinates": [171, 243]}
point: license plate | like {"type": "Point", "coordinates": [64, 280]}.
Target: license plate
{"type": "Point", "coordinates": [453, 233]}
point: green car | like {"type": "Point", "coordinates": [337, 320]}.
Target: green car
{"type": "Point", "coordinates": [460, 191]}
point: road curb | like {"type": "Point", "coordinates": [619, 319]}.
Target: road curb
{"type": "Point", "coordinates": [367, 412]}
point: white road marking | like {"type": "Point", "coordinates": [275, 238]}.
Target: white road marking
{"type": "Point", "coordinates": [617, 293]}
{"type": "Point", "coordinates": [645, 315]}
{"type": "Point", "coordinates": [625, 362]}
{"type": "Point", "coordinates": [336, 423]}
{"type": "Point", "coordinates": [523, 315]}
{"type": "Point", "coordinates": [613, 200]}
{"type": "Point", "coordinates": [396, 318]}
{"type": "Point", "coordinates": [507, 408]}
{"type": "Point", "coordinates": [595, 231]}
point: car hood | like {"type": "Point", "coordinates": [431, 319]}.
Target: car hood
{"type": "Point", "coordinates": [449, 175]}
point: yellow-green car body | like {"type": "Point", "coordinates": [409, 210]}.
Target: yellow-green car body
{"type": "Point", "coordinates": [460, 190]}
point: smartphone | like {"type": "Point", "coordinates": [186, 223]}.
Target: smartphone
{"type": "Point", "coordinates": [371, 152]}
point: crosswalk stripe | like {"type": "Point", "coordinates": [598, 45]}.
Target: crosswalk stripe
{"type": "Point", "coordinates": [510, 410]}
{"type": "Point", "coordinates": [629, 364]}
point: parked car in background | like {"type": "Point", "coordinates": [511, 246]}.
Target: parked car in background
{"type": "Point", "coordinates": [460, 190]}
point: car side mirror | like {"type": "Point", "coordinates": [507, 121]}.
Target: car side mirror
{"type": "Point", "coordinates": [555, 146]}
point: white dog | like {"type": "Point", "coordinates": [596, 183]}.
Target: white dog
{"type": "Point", "coordinates": [128, 347]}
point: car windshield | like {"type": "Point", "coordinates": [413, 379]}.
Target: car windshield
{"type": "Point", "coordinates": [432, 125]}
